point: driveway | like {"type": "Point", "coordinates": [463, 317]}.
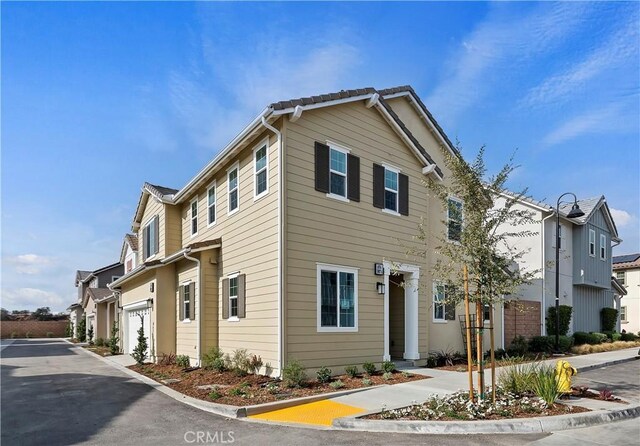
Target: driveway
{"type": "Point", "coordinates": [53, 393]}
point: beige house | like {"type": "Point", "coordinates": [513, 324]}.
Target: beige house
{"type": "Point", "coordinates": [626, 269]}
{"type": "Point", "coordinates": [290, 242]}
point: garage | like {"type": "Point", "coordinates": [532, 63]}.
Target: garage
{"type": "Point", "coordinates": [135, 318]}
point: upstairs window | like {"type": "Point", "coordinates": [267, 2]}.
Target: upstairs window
{"type": "Point", "coordinates": [454, 219]}
{"type": "Point", "coordinates": [442, 311]}
{"type": "Point", "coordinates": [337, 172]}
{"type": "Point", "coordinates": [622, 277]}
{"type": "Point", "coordinates": [337, 298]}
{"type": "Point", "coordinates": [187, 300]}
{"type": "Point", "coordinates": [232, 187]}
{"type": "Point", "coordinates": [260, 171]}
{"type": "Point", "coordinates": [211, 205]}
{"type": "Point", "coordinates": [233, 296]}
{"type": "Point", "coordinates": [194, 216]}
{"type": "Point", "coordinates": [603, 247]}
{"type": "Point", "coordinates": [592, 243]}
{"type": "Point", "coordinates": [390, 190]}
{"type": "Point", "coordinates": [150, 245]}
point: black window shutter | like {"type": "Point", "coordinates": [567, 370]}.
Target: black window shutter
{"type": "Point", "coordinates": [242, 301]}
{"type": "Point", "coordinates": [353, 178]}
{"type": "Point", "coordinates": [156, 233]}
{"type": "Point", "coordinates": [181, 302]}
{"type": "Point", "coordinates": [192, 300]}
{"type": "Point", "coordinates": [145, 241]}
{"type": "Point", "coordinates": [403, 189]}
{"type": "Point", "coordinates": [322, 167]}
{"type": "Point", "coordinates": [225, 298]}
{"type": "Point", "coordinates": [378, 186]}
{"type": "Point", "coordinates": [450, 312]}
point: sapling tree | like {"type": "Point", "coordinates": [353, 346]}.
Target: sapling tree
{"type": "Point", "coordinates": [114, 339]}
{"type": "Point", "coordinates": [481, 231]}
{"type": "Point", "coordinates": [140, 351]}
{"type": "Point", "coordinates": [81, 330]}
{"type": "Point", "coordinates": [90, 335]}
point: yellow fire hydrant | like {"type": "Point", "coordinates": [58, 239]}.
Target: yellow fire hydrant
{"type": "Point", "coordinates": [564, 372]}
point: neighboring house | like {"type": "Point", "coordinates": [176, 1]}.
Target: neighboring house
{"type": "Point", "coordinates": [76, 311]}
{"type": "Point", "coordinates": [98, 303]}
{"type": "Point", "coordinates": [285, 243]}
{"type": "Point", "coordinates": [626, 269]}
{"type": "Point", "coordinates": [585, 267]}
{"type": "Point", "coordinates": [129, 252]}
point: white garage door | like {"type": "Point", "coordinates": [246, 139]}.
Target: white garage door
{"type": "Point", "coordinates": [135, 319]}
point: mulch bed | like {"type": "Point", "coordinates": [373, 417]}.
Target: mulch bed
{"type": "Point", "coordinates": [251, 389]}
{"type": "Point", "coordinates": [102, 351]}
{"type": "Point", "coordinates": [584, 392]}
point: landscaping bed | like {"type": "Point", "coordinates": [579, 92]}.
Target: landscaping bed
{"type": "Point", "coordinates": [102, 351]}
{"type": "Point", "coordinates": [602, 395]}
{"type": "Point", "coordinates": [228, 387]}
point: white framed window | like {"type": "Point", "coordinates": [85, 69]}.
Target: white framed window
{"type": "Point", "coordinates": [603, 247]}
{"type": "Point", "coordinates": [391, 194]}
{"type": "Point", "coordinates": [186, 302]}
{"type": "Point", "coordinates": [622, 277]}
{"type": "Point", "coordinates": [232, 189]}
{"type": "Point", "coordinates": [338, 172]}
{"type": "Point", "coordinates": [194, 216]}
{"type": "Point", "coordinates": [150, 238]}
{"type": "Point", "coordinates": [439, 296]}
{"type": "Point", "coordinates": [261, 170]}
{"type": "Point", "coordinates": [592, 243]}
{"type": "Point", "coordinates": [337, 298]}
{"type": "Point", "coordinates": [623, 314]}
{"type": "Point", "coordinates": [486, 311]}
{"type": "Point", "coordinates": [211, 205]}
{"type": "Point", "coordinates": [233, 296]}
{"type": "Point", "coordinates": [454, 219]}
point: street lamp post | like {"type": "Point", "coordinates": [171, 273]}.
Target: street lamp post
{"type": "Point", "coordinates": [573, 213]}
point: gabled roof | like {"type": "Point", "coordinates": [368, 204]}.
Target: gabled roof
{"type": "Point", "coordinates": [627, 261]}
{"type": "Point", "coordinates": [161, 193]}
{"type": "Point", "coordinates": [130, 240]}
{"type": "Point", "coordinates": [97, 294]}
{"type": "Point", "coordinates": [81, 276]}
{"type": "Point", "coordinates": [589, 206]}
{"type": "Point", "coordinates": [618, 287]}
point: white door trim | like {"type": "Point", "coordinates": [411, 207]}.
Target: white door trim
{"type": "Point", "coordinates": [411, 307]}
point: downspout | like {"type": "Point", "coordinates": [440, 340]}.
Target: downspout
{"type": "Point", "coordinates": [544, 282]}
{"type": "Point", "coordinates": [280, 278]}
{"type": "Point", "coordinates": [198, 325]}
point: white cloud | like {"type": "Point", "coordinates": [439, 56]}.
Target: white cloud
{"type": "Point", "coordinates": [29, 263]}
{"type": "Point", "coordinates": [621, 218]}
{"type": "Point", "coordinates": [30, 299]}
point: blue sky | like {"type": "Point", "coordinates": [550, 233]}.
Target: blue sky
{"type": "Point", "coordinates": [99, 97]}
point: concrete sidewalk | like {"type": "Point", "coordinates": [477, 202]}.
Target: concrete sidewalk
{"type": "Point", "coordinates": [446, 382]}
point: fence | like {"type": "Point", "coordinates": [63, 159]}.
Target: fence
{"type": "Point", "coordinates": [33, 329]}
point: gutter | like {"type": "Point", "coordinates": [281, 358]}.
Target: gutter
{"type": "Point", "coordinates": [280, 257]}
{"type": "Point", "coordinates": [199, 324]}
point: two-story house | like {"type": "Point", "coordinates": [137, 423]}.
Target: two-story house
{"type": "Point", "coordinates": [584, 267]}
{"type": "Point", "coordinates": [626, 269]}
{"type": "Point", "coordinates": [291, 242]}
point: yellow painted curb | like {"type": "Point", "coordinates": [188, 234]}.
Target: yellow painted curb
{"type": "Point", "coordinates": [319, 412]}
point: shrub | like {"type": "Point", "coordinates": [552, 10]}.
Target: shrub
{"type": "Point", "coordinates": [387, 376]}
{"type": "Point", "coordinates": [518, 377]}
{"type": "Point", "coordinates": [445, 357]}
{"type": "Point", "coordinates": [500, 353]}
{"type": "Point", "coordinates": [598, 338]}
{"type": "Point", "coordinates": [432, 361]}
{"type": "Point", "coordinates": [81, 330]}
{"type": "Point", "coordinates": [167, 359]}
{"type": "Point", "coordinates": [324, 375]}
{"type": "Point", "coordinates": [606, 395]}
{"type": "Point", "coordinates": [293, 374]}
{"type": "Point", "coordinates": [545, 385]}
{"type": "Point", "coordinates": [99, 342]}
{"type": "Point", "coordinates": [241, 362]}
{"type": "Point", "coordinates": [140, 351]}
{"type": "Point", "coordinates": [210, 358]}
{"type": "Point", "coordinates": [90, 335]}
{"type": "Point", "coordinates": [366, 381]}
{"type": "Point", "coordinates": [337, 384]}
{"type": "Point", "coordinates": [369, 368]}
{"type": "Point", "coordinates": [542, 344]}
{"type": "Point", "coordinates": [240, 390]}
{"type": "Point", "coordinates": [183, 361]}
{"type": "Point", "coordinates": [616, 337]}
{"type": "Point", "coordinates": [68, 330]}
{"type": "Point", "coordinates": [113, 340]}
{"type": "Point", "coordinates": [580, 338]}
{"type": "Point", "coordinates": [49, 334]}
{"type": "Point", "coordinates": [388, 367]}
{"type": "Point", "coordinates": [215, 394]}
{"type": "Point", "coordinates": [608, 319]}
{"type": "Point", "coordinates": [518, 346]}
{"type": "Point", "coordinates": [352, 370]}
{"type": "Point", "coordinates": [565, 319]}
{"type": "Point", "coordinates": [255, 364]}
{"type": "Point", "coordinates": [628, 337]}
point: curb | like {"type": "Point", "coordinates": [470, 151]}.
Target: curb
{"type": "Point", "coordinates": [607, 364]}
{"type": "Point", "coordinates": [511, 426]}
{"type": "Point", "coordinates": [225, 410]}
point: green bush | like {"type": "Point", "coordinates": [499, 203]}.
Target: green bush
{"type": "Point", "coordinates": [183, 361]}
{"type": "Point", "coordinates": [140, 351]}
{"type": "Point", "coordinates": [241, 362]}
{"type": "Point", "coordinates": [324, 375]}
{"type": "Point", "coordinates": [215, 394]}
{"type": "Point", "coordinates": [388, 367]}
{"type": "Point", "coordinates": [99, 342]}
{"type": "Point", "coordinates": [628, 337]}
{"type": "Point", "coordinates": [518, 377]}
{"type": "Point", "coordinates": [608, 319]}
{"type": "Point", "coordinates": [68, 330]}
{"type": "Point", "coordinates": [598, 338]}
{"type": "Point", "coordinates": [565, 319]}
{"type": "Point", "coordinates": [616, 337]}
{"type": "Point", "coordinates": [366, 381]}
{"type": "Point", "coordinates": [255, 363]}
{"type": "Point", "coordinates": [114, 348]}
{"type": "Point", "coordinates": [89, 335]}
{"type": "Point", "coordinates": [500, 353]}
{"type": "Point", "coordinates": [369, 368]}
{"type": "Point", "coordinates": [518, 346]}
{"type": "Point", "coordinates": [352, 370]}
{"type": "Point", "coordinates": [547, 344]}
{"type": "Point", "coordinates": [293, 374]}
{"type": "Point", "coordinates": [545, 385]}
{"type": "Point", "coordinates": [337, 384]}
{"type": "Point", "coordinates": [581, 338]}
{"type": "Point", "coordinates": [432, 361]}
{"type": "Point", "coordinates": [212, 359]}
{"type": "Point", "coordinates": [81, 330]}
{"type": "Point", "coordinates": [387, 376]}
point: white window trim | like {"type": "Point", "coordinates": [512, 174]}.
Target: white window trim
{"type": "Point", "coordinates": [149, 221]}
{"type": "Point", "coordinates": [456, 199]}
{"type": "Point", "coordinates": [624, 277]}
{"type": "Point", "coordinates": [603, 246]}
{"type": "Point", "coordinates": [232, 318]}
{"type": "Point", "coordinates": [625, 320]}
{"type": "Point", "coordinates": [346, 152]}
{"type": "Point", "coordinates": [195, 200]}
{"type": "Point", "coordinates": [433, 305]}
{"type": "Point", "coordinates": [591, 231]}
{"type": "Point", "coordinates": [263, 143]}
{"type": "Point", "coordinates": [187, 320]}
{"type": "Point", "coordinates": [338, 269]}
{"type": "Point", "coordinates": [397, 192]}
{"type": "Point", "coordinates": [215, 204]}
{"type": "Point", "coordinates": [229, 190]}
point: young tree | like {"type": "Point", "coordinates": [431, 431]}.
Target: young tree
{"type": "Point", "coordinates": [481, 227]}
{"type": "Point", "coordinates": [114, 339]}
{"type": "Point", "coordinates": [140, 351]}
{"type": "Point", "coordinates": [81, 330]}
{"type": "Point", "coordinates": [90, 335]}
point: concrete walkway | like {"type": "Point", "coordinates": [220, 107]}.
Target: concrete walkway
{"type": "Point", "coordinates": [445, 382]}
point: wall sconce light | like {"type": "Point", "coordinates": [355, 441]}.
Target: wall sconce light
{"type": "Point", "coordinates": [380, 287]}
{"type": "Point", "coordinates": [152, 286]}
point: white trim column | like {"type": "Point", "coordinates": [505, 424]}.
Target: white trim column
{"type": "Point", "coordinates": [411, 310]}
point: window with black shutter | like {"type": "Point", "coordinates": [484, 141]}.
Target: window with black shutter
{"type": "Point", "coordinates": [337, 172]}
